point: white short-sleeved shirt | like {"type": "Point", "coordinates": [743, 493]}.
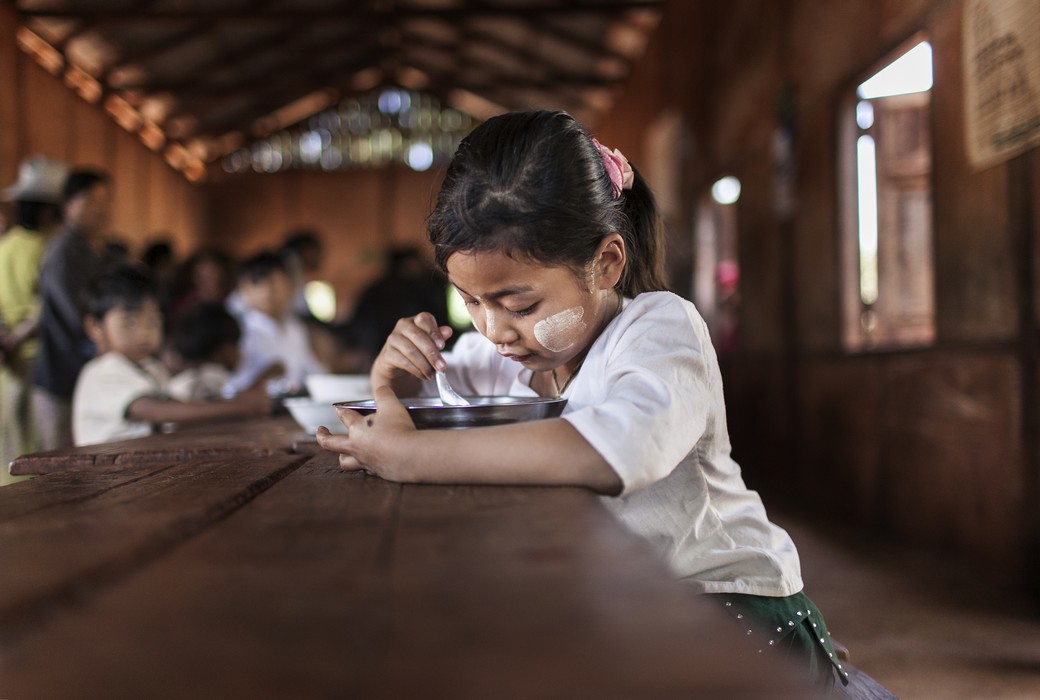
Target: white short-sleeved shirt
{"type": "Point", "coordinates": [266, 342]}
{"type": "Point", "coordinates": [649, 398]}
{"type": "Point", "coordinates": [105, 388]}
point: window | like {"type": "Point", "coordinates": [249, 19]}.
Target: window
{"type": "Point", "coordinates": [889, 297]}
{"type": "Point", "coordinates": [716, 274]}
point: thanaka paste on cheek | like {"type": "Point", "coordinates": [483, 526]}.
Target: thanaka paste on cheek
{"type": "Point", "coordinates": [561, 330]}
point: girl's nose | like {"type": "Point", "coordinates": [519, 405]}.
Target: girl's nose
{"type": "Point", "coordinates": [498, 329]}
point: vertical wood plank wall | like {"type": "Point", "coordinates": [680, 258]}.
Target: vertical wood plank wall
{"type": "Point", "coordinates": [38, 114]}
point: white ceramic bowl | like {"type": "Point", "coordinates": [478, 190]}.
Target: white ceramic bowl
{"type": "Point", "coordinates": [309, 414]}
{"type": "Point", "coordinates": [330, 388]}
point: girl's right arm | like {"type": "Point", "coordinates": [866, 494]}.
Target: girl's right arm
{"type": "Point", "coordinates": [411, 354]}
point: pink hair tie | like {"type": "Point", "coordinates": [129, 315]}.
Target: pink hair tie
{"type": "Point", "coordinates": [617, 167]}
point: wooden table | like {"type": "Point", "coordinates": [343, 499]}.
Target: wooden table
{"type": "Point", "coordinates": [269, 572]}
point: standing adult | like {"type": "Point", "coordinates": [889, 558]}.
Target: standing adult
{"type": "Point", "coordinates": [36, 198]}
{"type": "Point", "coordinates": [69, 263]}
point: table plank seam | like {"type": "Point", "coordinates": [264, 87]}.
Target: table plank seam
{"type": "Point", "coordinates": [30, 613]}
{"type": "Point", "coordinates": [88, 497]}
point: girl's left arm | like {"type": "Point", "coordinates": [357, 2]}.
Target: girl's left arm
{"type": "Point", "coordinates": [546, 452]}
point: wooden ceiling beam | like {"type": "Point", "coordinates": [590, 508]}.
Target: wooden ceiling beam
{"type": "Point", "coordinates": [192, 32]}
{"type": "Point", "coordinates": [495, 88]}
{"type": "Point", "coordinates": [191, 91]}
{"type": "Point", "coordinates": [273, 96]}
{"type": "Point", "coordinates": [353, 12]}
{"type": "Point", "coordinates": [189, 86]}
{"type": "Point", "coordinates": [551, 75]}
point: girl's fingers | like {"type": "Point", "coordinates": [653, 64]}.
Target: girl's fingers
{"type": "Point", "coordinates": [389, 407]}
{"type": "Point", "coordinates": [334, 443]}
{"type": "Point", "coordinates": [415, 346]}
{"type": "Point", "coordinates": [404, 355]}
{"type": "Point", "coordinates": [349, 463]}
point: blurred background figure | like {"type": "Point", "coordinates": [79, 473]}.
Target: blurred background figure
{"type": "Point", "coordinates": [206, 276]}
{"type": "Point", "coordinates": [115, 251]}
{"type": "Point", "coordinates": [275, 342]}
{"type": "Point", "coordinates": [205, 345]}
{"type": "Point", "coordinates": [302, 253]}
{"type": "Point", "coordinates": [409, 285]}
{"type": "Point", "coordinates": [162, 266]}
{"type": "Point", "coordinates": [36, 199]}
{"type": "Point", "coordinates": [70, 261]}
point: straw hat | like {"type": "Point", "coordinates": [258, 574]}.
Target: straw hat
{"type": "Point", "coordinates": [40, 179]}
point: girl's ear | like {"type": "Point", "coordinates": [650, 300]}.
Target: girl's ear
{"type": "Point", "coordinates": [609, 261]}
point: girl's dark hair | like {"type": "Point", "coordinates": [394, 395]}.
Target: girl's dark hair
{"type": "Point", "coordinates": [533, 185]}
{"type": "Point", "coordinates": [202, 330]}
{"type": "Point", "coordinates": [119, 287]}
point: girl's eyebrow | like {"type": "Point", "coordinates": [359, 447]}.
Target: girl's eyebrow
{"type": "Point", "coordinates": [507, 292]}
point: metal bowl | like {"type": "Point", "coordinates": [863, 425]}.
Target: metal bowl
{"type": "Point", "coordinates": [483, 410]}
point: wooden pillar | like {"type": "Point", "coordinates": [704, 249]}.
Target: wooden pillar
{"type": "Point", "coordinates": [11, 141]}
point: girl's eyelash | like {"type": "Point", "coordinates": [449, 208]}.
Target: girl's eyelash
{"type": "Point", "coordinates": [515, 314]}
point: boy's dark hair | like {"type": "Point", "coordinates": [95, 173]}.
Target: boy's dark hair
{"type": "Point", "coordinates": [301, 240]}
{"type": "Point", "coordinates": [260, 267]}
{"type": "Point", "coordinates": [156, 254]}
{"type": "Point", "coordinates": [533, 185]}
{"type": "Point", "coordinates": [202, 330]}
{"type": "Point", "coordinates": [119, 287]}
{"type": "Point", "coordinates": [81, 180]}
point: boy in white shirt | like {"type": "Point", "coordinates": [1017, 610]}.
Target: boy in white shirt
{"type": "Point", "coordinates": [123, 392]}
{"type": "Point", "coordinates": [274, 341]}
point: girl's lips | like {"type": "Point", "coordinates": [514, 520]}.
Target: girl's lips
{"type": "Point", "coordinates": [518, 358]}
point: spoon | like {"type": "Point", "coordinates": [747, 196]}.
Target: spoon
{"type": "Point", "coordinates": [449, 397]}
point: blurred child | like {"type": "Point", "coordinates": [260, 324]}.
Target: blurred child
{"type": "Point", "coordinates": [205, 341]}
{"type": "Point", "coordinates": [272, 335]}
{"type": "Point", "coordinates": [123, 392]}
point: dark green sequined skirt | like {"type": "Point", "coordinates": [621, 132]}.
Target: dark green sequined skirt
{"type": "Point", "coordinates": [792, 627]}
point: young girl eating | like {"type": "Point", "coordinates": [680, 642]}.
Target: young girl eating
{"type": "Point", "coordinates": [555, 244]}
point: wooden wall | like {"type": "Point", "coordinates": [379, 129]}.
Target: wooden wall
{"type": "Point", "coordinates": [934, 447]}
{"type": "Point", "coordinates": [39, 114]}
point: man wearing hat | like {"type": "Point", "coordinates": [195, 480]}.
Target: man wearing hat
{"type": "Point", "coordinates": [37, 197]}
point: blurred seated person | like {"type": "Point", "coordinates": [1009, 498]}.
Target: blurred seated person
{"type": "Point", "coordinates": [408, 286]}
{"type": "Point", "coordinates": [272, 335]}
{"type": "Point", "coordinates": [123, 392]}
{"type": "Point", "coordinates": [162, 267]}
{"type": "Point", "coordinates": [115, 251]}
{"type": "Point", "coordinates": [205, 276]}
{"type": "Point", "coordinates": [204, 342]}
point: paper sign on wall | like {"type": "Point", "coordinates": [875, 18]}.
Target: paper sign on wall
{"type": "Point", "coordinates": [1001, 78]}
